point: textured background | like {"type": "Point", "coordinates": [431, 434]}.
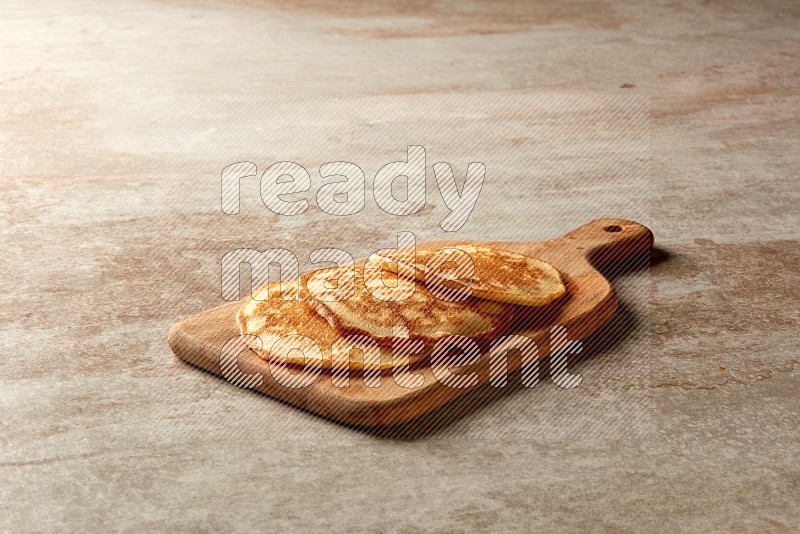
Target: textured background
{"type": "Point", "coordinates": [117, 119]}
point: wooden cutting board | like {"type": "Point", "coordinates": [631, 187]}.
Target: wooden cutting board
{"type": "Point", "coordinates": [590, 302]}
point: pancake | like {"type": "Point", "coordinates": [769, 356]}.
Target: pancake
{"type": "Point", "coordinates": [425, 317]}
{"type": "Point", "coordinates": [499, 275]}
{"type": "Point", "coordinates": [272, 318]}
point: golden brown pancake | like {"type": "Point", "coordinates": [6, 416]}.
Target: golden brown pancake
{"type": "Point", "coordinates": [498, 275]}
{"type": "Point", "coordinates": [271, 318]}
{"type": "Point", "coordinates": [425, 317]}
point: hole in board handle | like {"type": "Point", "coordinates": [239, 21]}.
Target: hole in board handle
{"type": "Point", "coordinates": [612, 228]}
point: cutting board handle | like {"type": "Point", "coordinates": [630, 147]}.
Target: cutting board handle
{"type": "Point", "coordinates": [604, 240]}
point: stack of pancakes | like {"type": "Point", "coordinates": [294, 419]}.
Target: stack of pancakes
{"type": "Point", "coordinates": [460, 290]}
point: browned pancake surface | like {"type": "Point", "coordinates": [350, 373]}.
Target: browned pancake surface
{"type": "Point", "coordinates": [424, 316]}
{"type": "Point", "coordinates": [498, 275]}
{"type": "Point", "coordinates": [270, 318]}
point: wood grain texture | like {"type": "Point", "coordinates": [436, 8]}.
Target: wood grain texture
{"type": "Point", "coordinates": [589, 303]}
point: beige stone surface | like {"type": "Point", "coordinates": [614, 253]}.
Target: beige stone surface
{"type": "Point", "coordinates": [117, 119]}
